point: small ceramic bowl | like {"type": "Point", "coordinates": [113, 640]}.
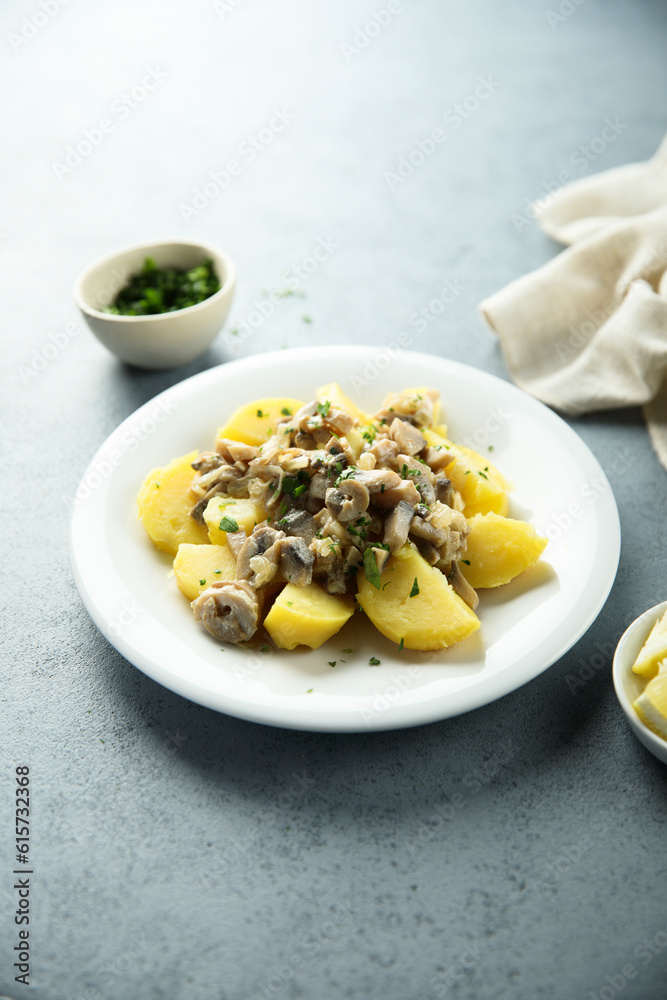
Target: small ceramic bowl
{"type": "Point", "coordinates": [629, 685]}
{"type": "Point", "coordinates": [164, 340]}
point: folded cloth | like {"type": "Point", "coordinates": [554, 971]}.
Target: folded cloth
{"type": "Point", "coordinates": [588, 330]}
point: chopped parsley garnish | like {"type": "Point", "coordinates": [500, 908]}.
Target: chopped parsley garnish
{"type": "Point", "coordinates": [217, 571]}
{"type": "Point", "coordinates": [400, 645]}
{"type": "Point", "coordinates": [484, 475]}
{"type": "Point", "coordinates": [309, 691]}
{"type": "Point", "coordinates": [466, 561]}
{"type": "Point", "coordinates": [228, 524]}
{"type": "Point", "coordinates": [415, 588]}
{"type": "Point", "coordinates": [294, 486]}
{"type": "Point", "coordinates": [202, 582]}
{"type": "Point", "coordinates": [332, 663]}
{"type": "Point", "coordinates": [264, 648]}
{"type": "Point", "coordinates": [159, 290]}
{"type": "Point", "coordinates": [323, 408]}
{"type": "Point", "coordinates": [157, 486]}
{"type": "Point", "coordinates": [286, 412]}
{"type": "Point", "coordinates": [260, 414]}
{"type": "Point", "coordinates": [374, 662]}
{"type": "Point", "coordinates": [382, 485]}
{"type": "Point", "coordinates": [371, 568]}
{"type": "Point", "coordinates": [490, 447]}
{"type": "Point", "coordinates": [347, 650]}
{"type": "Point", "coordinates": [290, 603]}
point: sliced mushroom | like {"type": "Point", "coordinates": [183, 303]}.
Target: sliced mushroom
{"type": "Point", "coordinates": [409, 439]}
{"type": "Point", "coordinates": [384, 451]}
{"type": "Point", "coordinates": [348, 501]}
{"type": "Point", "coordinates": [420, 474]}
{"type": "Point", "coordinates": [235, 451]}
{"type": "Point", "coordinates": [235, 540]}
{"type": "Point", "coordinates": [444, 490]}
{"type": "Point", "coordinates": [299, 522]}
{"type": "Point", "coordinates": [306, 441]}
{"type": "Point", "coordinates": [259, 543]}
{"type": "Point", "coordinates": [381, 556]}
{"type": "Point", "coordinates": [207, 461]}
{"type": "Point", "coordinates": [304, 416]}
{"type": "Point", "coordinates": [462, 587]}
{"type": "Point", "coordinates": [406, 490]}
{"type": "Point", "coordinates": [229, 610]}
{"type": "Point", "coordinates": [429, 552]}
{"type": "Point", "coordinates": [339, 421]}
{"type": "Point", "coordinates": [295, 560]}
{"type": "Point", "coordinates": [426, 530]}
{"type": "Point", "coordinates": [438, 458]}
{"type": "Point", "coordinates": [378, 480]}
{"type": "Point", "coordinates": [417, 406]}
{"type": "Point", "coordinates": [353, 560]}
{"type": "Point", "coordinates": [397, 525]}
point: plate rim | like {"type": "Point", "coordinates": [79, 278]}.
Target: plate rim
{"type": "Point", "coordinates": [348, 721]}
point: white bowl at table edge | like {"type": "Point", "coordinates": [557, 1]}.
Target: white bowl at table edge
{"type": "Point", "coordinates": [628, 685]}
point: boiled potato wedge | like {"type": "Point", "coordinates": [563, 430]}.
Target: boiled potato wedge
{"type": "Point", "coordinates": [333, 392]}
{"type": "Point", "coordinates": [165, 502]}
{"type": "Point", "coordinates": [434, 618]}
{"type": "Point", "coordinates": [239, 514]}
{"type": "Point", "coordinates": [498, 549]}
{"type": "Point", "coordinates": [196, 567]}
{"type": "Point", "coordinates": [483, 488]}
{"type": "Point", "coordinates": [255, 422]}
{"type": "Point", "coordinates": [306, 616]}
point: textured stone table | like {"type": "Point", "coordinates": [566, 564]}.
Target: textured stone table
{"type": "Point", "coordinates": [182, 854]}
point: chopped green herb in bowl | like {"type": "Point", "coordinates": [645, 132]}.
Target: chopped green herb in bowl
{"type": "Point", "coordinates": [164, 289]}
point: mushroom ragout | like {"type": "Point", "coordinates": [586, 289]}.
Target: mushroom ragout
{"type": "Point", "coordinates": [339, 496]}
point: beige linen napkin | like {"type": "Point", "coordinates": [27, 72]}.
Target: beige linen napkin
{"type": "Point", "coordinates": [588, 331]}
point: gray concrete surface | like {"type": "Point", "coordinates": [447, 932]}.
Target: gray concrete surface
{"type": "Point", "coordinates": [178, 853]}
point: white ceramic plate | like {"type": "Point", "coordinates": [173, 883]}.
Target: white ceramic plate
{"type": "Point", "coordinates": [526, 626]}
{"type": "Point", "coordinates": [629, 685]}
